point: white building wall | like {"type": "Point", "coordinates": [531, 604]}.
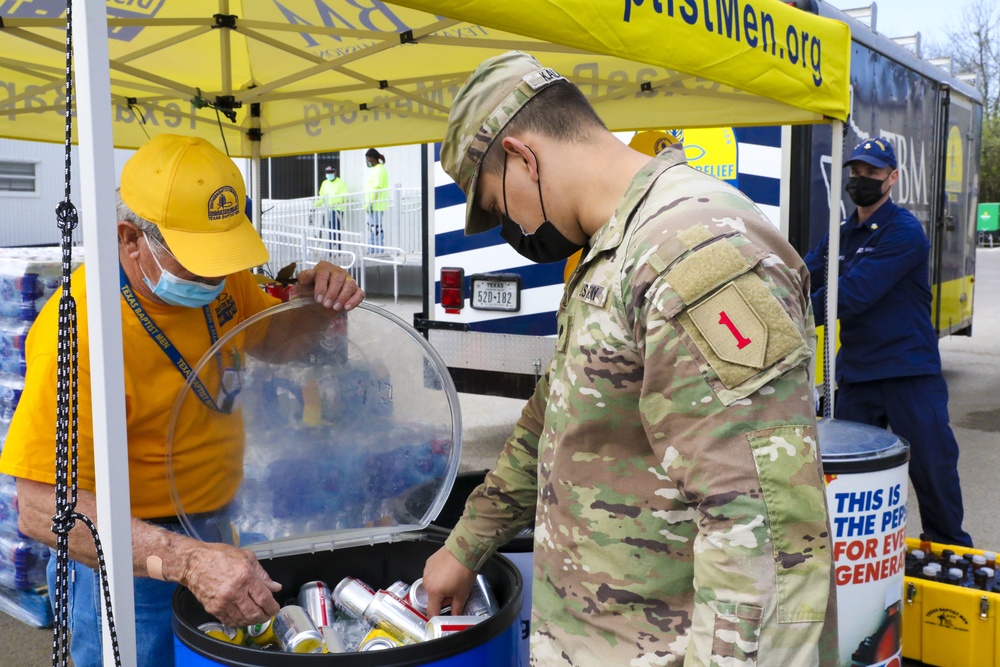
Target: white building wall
{"type": "Point", "coordinates": [30, 218]}
{"type": "Point", "coordinates": [402, 163]}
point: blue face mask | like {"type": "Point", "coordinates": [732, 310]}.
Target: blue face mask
{"type": "Point", "coordinates": [177, 291]}
{"type": "Point", "coordinates": [330, 177]}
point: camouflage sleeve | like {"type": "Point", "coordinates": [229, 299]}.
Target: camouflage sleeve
{"type": "Point", "coordinates": [505, 502]}
{"type": "Point", "coordinates": [736, 437]}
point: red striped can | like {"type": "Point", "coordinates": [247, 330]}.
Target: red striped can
{"type": "Point", "coordinates": [442, 626]}
{"type": "Point", "coordinates": [396, 617]}
{"type": "Point", "coordinates": [315, 597]}
{"type": "Point", "coordinates": [353, 596]}
{"type": "Point", "coordinates": [399, 589]}
{"type": "Point", "coordinates": [417, 596]}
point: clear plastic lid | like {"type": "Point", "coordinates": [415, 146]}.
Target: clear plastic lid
{"type": "Point", "coordinates": [851, 441]}
{"type": "Point", "coordinates": [344, 429]}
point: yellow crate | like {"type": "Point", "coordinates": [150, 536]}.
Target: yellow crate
{"type": "Point", "coordinates": [949, 626]}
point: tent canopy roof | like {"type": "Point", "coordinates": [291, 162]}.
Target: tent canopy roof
{"type": "Point", "coordinates": [320, 75]}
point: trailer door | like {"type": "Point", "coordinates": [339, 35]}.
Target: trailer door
{"type": "Point", "coordinates": [954, 242]}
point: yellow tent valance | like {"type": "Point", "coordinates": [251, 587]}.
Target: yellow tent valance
{"type": "Point", "coordinates": [316, 75]}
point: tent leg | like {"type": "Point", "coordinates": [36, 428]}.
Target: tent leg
{"type": "Point", "coordinates": [107, 387]}
{"type": "Point", "coordinates": [832, 267]}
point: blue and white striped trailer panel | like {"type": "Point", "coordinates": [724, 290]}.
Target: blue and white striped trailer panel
{"type": "Point", "coordinates": [541, 284]}
{"type": "Point", "coordinates": [758, 168]}
{"type": "Point", "coordinates": [759, 163]}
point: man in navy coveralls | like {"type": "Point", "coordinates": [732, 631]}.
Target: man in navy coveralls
{"type": "Point", "coordinates": [888, 367]}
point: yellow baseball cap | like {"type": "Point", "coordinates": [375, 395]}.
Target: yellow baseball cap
{"type": "Point", "coordinates": [195, 195]}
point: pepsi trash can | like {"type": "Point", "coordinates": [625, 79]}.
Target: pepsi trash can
{"type": "Point", "coordinates": [333, 432]}
{"type": "Point", "coordinates": [866, 488]}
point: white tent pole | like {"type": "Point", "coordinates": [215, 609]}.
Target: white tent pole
{"type": "Point", "coordinates": [833, 263]}
{"type": "Point", "coordinates": [107, 379]}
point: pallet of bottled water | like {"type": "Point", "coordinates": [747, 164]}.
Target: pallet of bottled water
{"type": "Point", "coordinates": [28, 279]}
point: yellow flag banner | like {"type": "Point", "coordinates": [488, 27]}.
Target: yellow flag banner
{"type": "Point", "coordinates": [299, 76]}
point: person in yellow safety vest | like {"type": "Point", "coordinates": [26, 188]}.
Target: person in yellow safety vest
{"type": "Point", "coordinates": [376, 195]}
{"type": "Point", "coordinates": [332, 198]}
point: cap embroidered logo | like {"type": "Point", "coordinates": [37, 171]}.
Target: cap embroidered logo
{"type": "Point", "coordinates": [224, 203]}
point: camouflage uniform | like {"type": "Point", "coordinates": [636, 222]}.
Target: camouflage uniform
{"type": "Point", "coordinates": [668, 457]}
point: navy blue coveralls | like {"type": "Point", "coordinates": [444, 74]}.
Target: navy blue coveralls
{"type": "Point", "coordinates": [888, 367]}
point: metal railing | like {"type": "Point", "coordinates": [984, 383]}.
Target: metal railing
{"type": "Point", "coordinates": [309, 230]}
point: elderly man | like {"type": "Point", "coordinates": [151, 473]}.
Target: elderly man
{"type": "Point", "coordinates": [185, 250]}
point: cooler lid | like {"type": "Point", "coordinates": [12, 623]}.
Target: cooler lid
{"type": "Point", "coordinates": [335, 416]}
{"type": "Point", "coordinates": [846, 441]}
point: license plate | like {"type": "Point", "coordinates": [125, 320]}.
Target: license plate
{"type": "Point", "coordinates": [496, 292]}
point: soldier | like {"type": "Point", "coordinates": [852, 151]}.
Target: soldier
{"type": "Point", "coordinates": [668, 456]}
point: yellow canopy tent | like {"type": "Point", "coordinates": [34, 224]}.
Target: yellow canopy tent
{"type": "Point", "coordinates": [338, 74]}
{"type": "Point", "coordinates": [298, 76]}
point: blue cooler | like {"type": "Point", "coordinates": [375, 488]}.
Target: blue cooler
{"type": "Point", "coordinates": [333, 432]}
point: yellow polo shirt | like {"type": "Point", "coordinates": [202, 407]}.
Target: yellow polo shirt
{"type": "Point", "coordinates": [208, 445]}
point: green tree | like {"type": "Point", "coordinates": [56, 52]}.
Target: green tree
{"type": "Point", "coordinates": [989, 164]}
{"type": "Point", "coordinates": [974, 47]}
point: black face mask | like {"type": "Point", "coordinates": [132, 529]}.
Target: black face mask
{"type": "Point", "coordinates": [546, 244]}
{"type": "Point", "coordinates": [864, 191]}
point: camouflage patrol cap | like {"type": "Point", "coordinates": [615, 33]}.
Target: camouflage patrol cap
{"type": "Point", "coordinates": [492, 95]}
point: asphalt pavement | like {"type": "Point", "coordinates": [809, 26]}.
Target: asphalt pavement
{"type": "Point", "coordinates": [971, 367]}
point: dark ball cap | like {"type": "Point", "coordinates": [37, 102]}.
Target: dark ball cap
{"type": "Point", "coordinates": [876, 152]}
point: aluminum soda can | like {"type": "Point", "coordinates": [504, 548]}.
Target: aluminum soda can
{"type": "Point", "coordinates": [221, 632]}
{"type": "Point", "coordinates": [442, 626]}
{"type": "Point", "coordinates": [262, 634]}
{"type": "Point", "coordinates": [378, 640]}
{"type": "Point", "coordinates": [417, 596]}
{"type": "Point", "coordinates": [399, 589]}
{"type": "Point", "coordinates": [353, 596]}
{"type": "Point", "coordinates": [396, 617]}
{"type": "Point", "coordinates": [315, 597]}
{"type": "Point", "coordinates": [296, 632]}
{"type": "Point", "coordinates": [482, 601]}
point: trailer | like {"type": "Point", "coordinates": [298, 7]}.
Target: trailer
{"type": "Point", "coordinates": [496, 324]}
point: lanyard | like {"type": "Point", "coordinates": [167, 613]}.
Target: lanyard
{"type": "Point", "coordinates": [183, 367]}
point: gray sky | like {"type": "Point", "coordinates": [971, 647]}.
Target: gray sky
{"type": "Point", "coordinates": [897, 18]}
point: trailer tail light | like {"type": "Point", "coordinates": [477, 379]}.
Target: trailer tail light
{"type": "Point", "coordinates": [452, 290]}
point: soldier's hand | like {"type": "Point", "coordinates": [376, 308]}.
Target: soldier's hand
{"type": "Point", "coordinates": [331, 286]}
{"type": "Point", "coordinates": [231, 584]}
{"type": "Point", "coordinates": [447, 581]}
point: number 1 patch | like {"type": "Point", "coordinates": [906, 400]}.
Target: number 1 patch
{"type": "Point", "coordinates": [732, 327]}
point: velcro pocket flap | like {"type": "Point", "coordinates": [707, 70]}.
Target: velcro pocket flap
{"type": "Point", "coordinates": [706, 269]}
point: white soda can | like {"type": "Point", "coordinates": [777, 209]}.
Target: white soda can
{"type": "Point", "coordinates": [442, 626]}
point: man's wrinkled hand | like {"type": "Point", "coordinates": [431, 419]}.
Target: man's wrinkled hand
{"type": "Point", "coordinates": [331, 286]}
{"type": "Point", "coordinates": [231, 584]}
